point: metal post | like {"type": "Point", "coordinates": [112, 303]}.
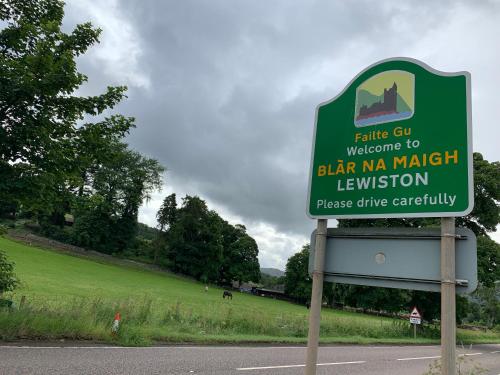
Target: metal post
{"type": "Point", "coordinates": [415, 331]}
{"type": "Point", "coordinates": [448, 319]}
{"type": "Point", "coordinates": [316, 297]}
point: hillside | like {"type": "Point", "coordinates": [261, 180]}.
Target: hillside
{"type": "Point", "coordinates": [75, 297]}
{"type": "Point", "coordinates": [272, 272]}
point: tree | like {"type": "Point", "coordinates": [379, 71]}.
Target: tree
{"type": "Point", "coordinates": [240, 255]}
{"type": "Point", "coordinates": [379, 299]}
{"type": "Point", "coordinates": [167, 214]}
{"type": "Point", "coordinates": [486, 213]}
{"type": "Point", "coordinates": [488, 261]}
{"type": "Point", "coordinates": [489, 305]}
{"type": "Point", "coordinates": [38, 111]}
{"type": "Point", "coordinates": [298, 284]}
{"type": "Point", "coordinates": [297, 281]}
{"type": "Point", "coordinates": [106, 217]}
{"type": "Point", "coordinates": [195, 241]}
{"type": "Point", "coordinates": [8, 280]}
{"type": "Point", "coordinates": [92, 145]}
{"type": "Point", "coordinates": [166, 217]}
{"type": "Point", "coordinates": [51, 163]}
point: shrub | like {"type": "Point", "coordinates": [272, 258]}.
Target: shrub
{"type": "Point", "coordinates": [8, 280]}
{"type": "Point", "coordinates": [62, 234]}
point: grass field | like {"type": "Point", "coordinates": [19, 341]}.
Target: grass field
{"type": "Point", "coordinates": [76, 298]}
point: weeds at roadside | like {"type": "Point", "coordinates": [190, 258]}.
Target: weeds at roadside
{"type": "Point", "coordinates": [464, 365]}
{"type": "Point", "coordinates": [83, 318]}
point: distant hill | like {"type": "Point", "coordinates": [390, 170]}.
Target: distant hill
{"type": "Point", "coordinates": [272, 272]}
{"type": "Point", "coordinates": [147, 232]}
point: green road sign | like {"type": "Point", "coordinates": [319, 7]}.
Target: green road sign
{"type": "Point", "coordinates": [396, 142]}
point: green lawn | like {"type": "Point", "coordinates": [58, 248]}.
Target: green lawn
{"type": "Point", "coordinates": [75, 297]}
{"type": "Point", "coordinates": [54, 276]}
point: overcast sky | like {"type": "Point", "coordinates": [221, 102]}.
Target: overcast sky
{"type": "Point", "coordinates": [224, 92]}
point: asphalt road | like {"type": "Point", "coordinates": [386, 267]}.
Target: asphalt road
{"type": "Point", "coordinates": [222, 360]}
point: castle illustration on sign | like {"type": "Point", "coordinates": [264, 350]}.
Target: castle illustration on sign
{"type": "Point", "coordinates": [385, 97]}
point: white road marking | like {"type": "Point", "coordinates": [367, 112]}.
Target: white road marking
{"type": "Point", "coordinates": [68, 347]}
{"type": "Point", "coordinates": [151, 347]}
{"type": "Point", "coordinates": [340, 363]}
{"type": "Point", "coordinates": [416, 358]}
{"type": "Point", "coordinates": [292, 366]}
{"type": "Point", "coordinates": [268, 367]}
{"type": "Point", "coordinates": [435, 357]}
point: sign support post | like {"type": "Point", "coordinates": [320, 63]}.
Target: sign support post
{"type": "Point", "coordinates": [415, 318]}
{"type": "Point", "coordinates": [448, 307]}
{"type": "Point", "coordinates": [316, 298]}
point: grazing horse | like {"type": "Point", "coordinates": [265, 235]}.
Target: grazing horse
{"type": "Point", "coordinates": [227, 294]}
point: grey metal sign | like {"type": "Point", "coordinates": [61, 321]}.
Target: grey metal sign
{"type": "Point", "coordinates": [403, 258]}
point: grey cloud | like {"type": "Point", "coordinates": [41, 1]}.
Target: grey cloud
{"type": "Point", "coordinates": [234, 86]}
